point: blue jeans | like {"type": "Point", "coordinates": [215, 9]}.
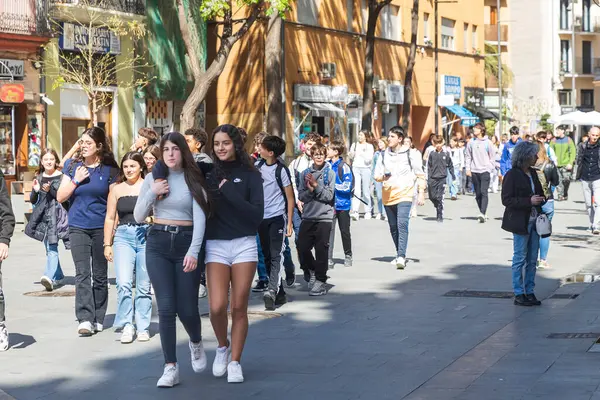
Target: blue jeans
{"type": "Point", "coordinates": [53, 269]}
{"type": "Point", "coordinates": [453, 184]}
{"type": "Point", "coordinates": [130, 254]}
{"type": "Point", "coordinates": [261, 268]}
{"type": "Point", "coordinates": [398, 217]}
{"type": "Point", "coordinates": [378, 194]}
{"type": "Point", "coordinates": [548, 209]}
{"type": "Point", "coordinates": [525, 249]}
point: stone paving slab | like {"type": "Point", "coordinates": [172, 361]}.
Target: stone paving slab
{"type": "Point", "coordinates": [379, 334]}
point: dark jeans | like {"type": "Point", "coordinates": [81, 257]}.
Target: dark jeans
{"type": "Point", "coordinates": [176, 291]}
{"type": "Point", "coordinates": [481, 182]}
{"type": "Point", "coordinates": [272, 233]}
{"type": "Point", "coordinates": [437, 189]}
{"type": "Point", "coordinates": [202, 263]}
{"type": "Point", "coordinates": [564, 176]}
{"type": "Point", "coordinates": [2, 315]}
{"type": "Point", "coordinates": [398, 216]}
{"type": "Point", "coordinates": [343, 220]}
{"type": "Point", "coordinates": [91, 298]}
{"type": "Point", "coordinates": [314, 234]}
{"type": "Point", "coordinates": [296, 222]}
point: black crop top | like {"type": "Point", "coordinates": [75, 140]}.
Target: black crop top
{"type": "Point", "coordinates": [125, 207]}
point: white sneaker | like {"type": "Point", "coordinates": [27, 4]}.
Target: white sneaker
{"type": "Point", "coordinates": [367, 216]}
{"type": "Point", "coordinates": [234, 372]}
{"type": "Point", "coordinates": [400, 263]}
{"type": "Point", "coordinates": [198, 357]}
{"type": "Point", "coordinates": [170, 376]}
{"type": "Point", "coordinates": [143, 336]}
{"type": "Point", "coordinates": [85, 329]}
{"type": "Point", "coordinates": [354, 216]}
{"type": "Point", "coordinates": [481, 218]}
{"type": "Point", "coordinates": [377, 216]}
{"type": "Point", "coordinates": [47, 283]}
{"type": "Point", "coordinates": [3, 338]}
{"type": "Point", "coordinates": [98, 327]}
{"type": "Point", "coordinates": [202, 292]}
{"type": "Point", "coordinates": [312, 280]}
{"type": "Point", "coordinates": [128, 334]}
{"type": "Point", "coordinates": [222, 358]}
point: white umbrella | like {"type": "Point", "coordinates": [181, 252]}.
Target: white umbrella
{"type": "Point", "coordinates": [572, 118]}
{"type": "Point", "coordinates": [592, 118]}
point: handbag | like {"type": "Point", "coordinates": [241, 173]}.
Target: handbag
{"type": "Point", "coordinates": [543, 226]}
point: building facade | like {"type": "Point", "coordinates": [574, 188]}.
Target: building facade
{"type": "Point", "coordinates": [69, 113]}
{"type": "Point", "coordinates": [23, 30]}
{"type": "Point", "coordinates": [324, 56]}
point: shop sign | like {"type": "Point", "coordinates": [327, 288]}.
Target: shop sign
{"type": "Point", "coordinates": [451, 85]}
{"type": "Point", "coordinates": [395, 94]}
{"type": "Point", "coordinates": [12, 69]}
{"type": "Point", "coordinates": [320, 93]}
{"type": "Point", "coordinates": [12, 93]}
{"type": "Point", "coordinates": [78, 38]}
{"type": "Point", "coordinates": [474, 97]}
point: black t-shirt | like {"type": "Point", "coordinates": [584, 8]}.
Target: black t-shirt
{"type": "Point", "coordinates": [590, 168]}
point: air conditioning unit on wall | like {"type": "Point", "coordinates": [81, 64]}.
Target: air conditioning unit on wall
{"type": "Point", "coordinates": [328, 70]}
{"type": "Point", "coordinates": [381, 91]}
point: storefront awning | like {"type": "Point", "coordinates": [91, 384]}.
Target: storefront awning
{"type": "Point", "coordinates": [324, 109]}
{"type": "Point", "coordinates": [466, 116]}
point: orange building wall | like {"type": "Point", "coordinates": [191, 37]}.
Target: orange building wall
{"type": "Point", "coordinates": [239, 97]}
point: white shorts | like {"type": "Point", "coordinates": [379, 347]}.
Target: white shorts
{"type": "Point", "coordinates": [230, 252]}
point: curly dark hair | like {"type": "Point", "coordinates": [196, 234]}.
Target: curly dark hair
{"type": "Point", "coordinates": [104, 153]}
{"type": "Point", "coordinates": [241, 155]}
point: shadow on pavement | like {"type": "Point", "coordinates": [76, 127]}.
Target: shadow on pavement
{"type": "Point", "coordinates": [19, 341]}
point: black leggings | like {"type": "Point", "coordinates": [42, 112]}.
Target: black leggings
{"type": "Point", "coordinates": [481, 182]}
{"type": "Point", "coordinates": [176, 291]}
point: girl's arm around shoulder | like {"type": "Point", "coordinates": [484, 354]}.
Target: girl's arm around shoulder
{"type": "Point", "coordinates": [145, 200]}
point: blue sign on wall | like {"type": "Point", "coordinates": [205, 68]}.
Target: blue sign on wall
{"type": "Point", "coordinates": [78, 37]}
{"type": "Point", "coordinates": [451, 85]}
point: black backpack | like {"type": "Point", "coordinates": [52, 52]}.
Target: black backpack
{"type": "Point", "coordinates": [340, 173]}
{"type": "Point", "coordinates": [280, 167]}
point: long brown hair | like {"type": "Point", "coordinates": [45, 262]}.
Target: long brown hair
{"type": "Point", "coordinates": [44, 152]}
{"type": "Point", "coordinates": [194, 178]}
{"type": "Point", "coordinates": [104, 153]}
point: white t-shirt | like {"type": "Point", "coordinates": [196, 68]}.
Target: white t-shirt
{"type": "Point", "coordinates": [362, 155]}
{"type": "Point", "coordinates": [275, 202]}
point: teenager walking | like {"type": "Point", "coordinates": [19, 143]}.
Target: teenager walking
{"type": "Point", "coordinates": [49, 222]}
{"type": "Point", "coordinates": [7, 227]}
{"type": "Point", "coordinates": [457, 155]}
{"type": "Point", "coordinates": [381, 146]}
{"type": "Point", "coordinates": [86, 182]}
{"type": "Point", "coordinates": [128, 251]}
{"type": "Point", "coordinates": [439, 163]}
{"type": "Point", "coordinates": [151, 156]}
{"type": "Point", "coordinates": [231, 251]}
{"type": "Point", "coordinates": [523, 197]}
{"type": "Point", "coordinates": [175, 193]}
{"type": "Point", "coordinates": [480, 161]}
{"type": "Point", "coordinates": [588, 171]}
{"type": "Point", "coordinates": [317, 187]}
{"type": "Point", "coordinates": [146, 137]}
{"type": "Point", "coordinates": [343, 200]}
{"type": "Point", "coordinates": [361, 155]}
{"type": "Point", "coordinates": [401, 170]}
{"type": "Point", "coordinates": [566, 154]}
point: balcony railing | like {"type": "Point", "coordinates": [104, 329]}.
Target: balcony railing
{"type": "Point", "coordinates": [581, 26]}
{"type": "Point", "coordinates": [491, 33]}
{"type": "Point", "coordinates": [127, 6]}
{"type": "Point", "coordinates": [24, 17]}
{"type": "Point", "coordinates": [589, 66]}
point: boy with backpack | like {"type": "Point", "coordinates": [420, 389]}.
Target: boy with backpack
{"type": "Point", "coordinates": [438, 164]}
{"type": "Point", "coordinates": [344, 188]}
{"type": "Point", "coordinates": [277, 220]}
{"type": "Point", "coordinates": [316, 192]}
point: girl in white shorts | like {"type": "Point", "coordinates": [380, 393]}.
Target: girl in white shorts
{"type": "Point", "coordinates": [231, 253]}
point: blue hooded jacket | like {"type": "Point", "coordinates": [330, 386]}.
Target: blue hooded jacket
{"type": "Point", "coordinates": [506, 159]}
{"type": "Point", "coordinates": [343, 188]}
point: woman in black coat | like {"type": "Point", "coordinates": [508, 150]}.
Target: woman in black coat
{"type": "Point", "coordinates": [523, 196]}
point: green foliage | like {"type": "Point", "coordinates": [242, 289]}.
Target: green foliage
{"type": "Point", "coordinates": [544, 124]}
{"type": "Point", "coordinates": [211, 9]}
{"type": "Point", "coordinates": [491, 66]}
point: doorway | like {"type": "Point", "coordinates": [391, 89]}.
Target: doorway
{"type": "Point", "coordinates": [71, 131]}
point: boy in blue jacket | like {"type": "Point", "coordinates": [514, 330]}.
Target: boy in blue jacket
{"type": "Point", "coordinates": [343, 201]}
{"type": "Point", "coordinates": [505, 160]}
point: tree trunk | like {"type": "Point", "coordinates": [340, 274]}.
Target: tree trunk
{"type": "Point", "coordinates": [375, 8]}
{"type": "Point", "coordinates": [408, 89]}
{"type": "Point", "coordinates": [94, 109]}
{"type": "Point", "coordinates": [273, 55]}
{"type": "Point", "coordinates": [204, 79]}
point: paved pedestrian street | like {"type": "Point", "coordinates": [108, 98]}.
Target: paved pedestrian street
{"type": "Point", "coordinates": [380, 333]}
